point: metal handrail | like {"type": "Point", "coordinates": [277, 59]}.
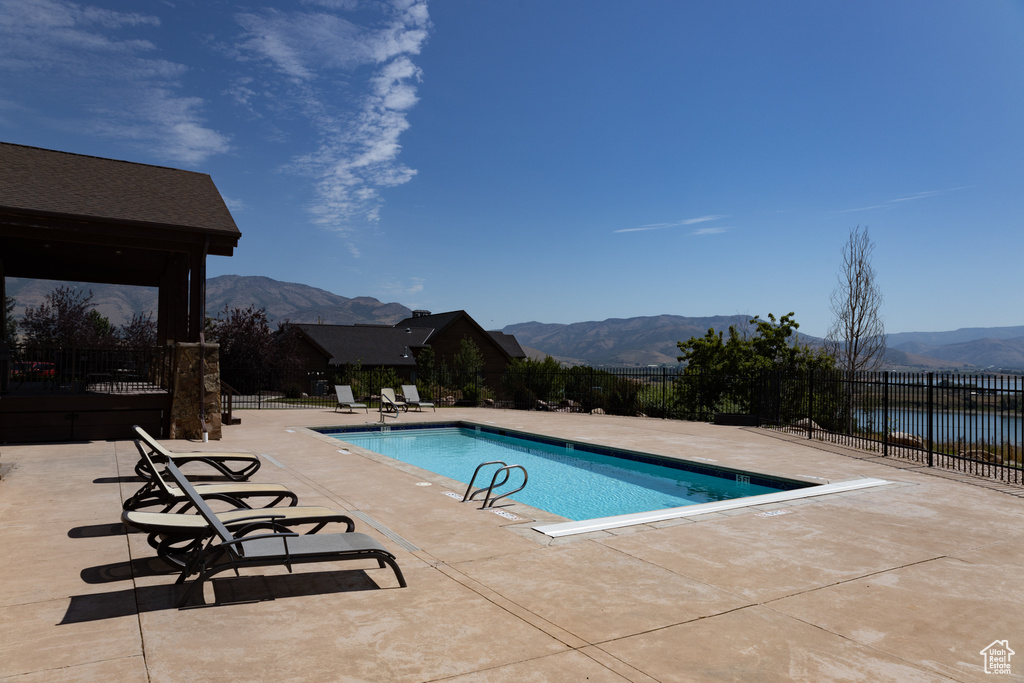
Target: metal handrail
{"type": "Point", "coordinates": [504, 470]}
{"type": "Point", "coordinates": [467, 495]}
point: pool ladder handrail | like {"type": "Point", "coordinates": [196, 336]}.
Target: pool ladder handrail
{"type": "Point", "coordinates": [504, 469]}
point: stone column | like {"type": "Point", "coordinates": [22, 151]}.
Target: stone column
{"type": "Point", "coordinates": [186, 388]}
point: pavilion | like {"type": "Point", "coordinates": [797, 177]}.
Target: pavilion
{"type": "Point", "coordinates": [77, 218]}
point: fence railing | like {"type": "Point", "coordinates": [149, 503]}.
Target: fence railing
{"type": "Point", "coordinates": [970, 423]}
{"type": "Point", "coordinates": [70, 371]}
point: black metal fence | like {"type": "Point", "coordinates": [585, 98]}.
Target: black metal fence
{"type": "Point", "coordinates": [69, 371]}
{"type": "Point", "coordinates": [969, 423]}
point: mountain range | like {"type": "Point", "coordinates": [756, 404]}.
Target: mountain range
{"type": "Point", "coordinates": [649, 340]}
{"type": "Point", "coordinates": [281, 300]}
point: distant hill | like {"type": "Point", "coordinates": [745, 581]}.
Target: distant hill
{"type": "Point", "coordinates": [620, 341]}
{"type": "Point", "coordinates": [298, 303]}
{"type": "Point", "coordinates": [118, 304]}
{"type": "Point", "coordinates": [617, 341]}
{"type": "Point", "coordinates": [281, 300]}
{"type": "Point", "coordinates": [986, 353]}
{"type": "Point", "coordinates": [986, 348]}
{"type": "Point", "coordinates": [652, 340]}
{"type": "Point", "coordinates": [928, 340]}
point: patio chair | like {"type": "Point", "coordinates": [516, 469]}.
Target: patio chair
{"type": "Point", "coordinates": [156, 491]}
{"type": "Point", "coordinates": [175, 535]}
{"type": "Point", "coordinates": [412, 397]}
{"type": "Point", "coordinates": [246, 464]}
{"type": "Point", "coordinates": [271, 549]}
{"type": "Point", "coordinates": [389, 403]}
{"type": "Point", "coordinates": [346, 399]}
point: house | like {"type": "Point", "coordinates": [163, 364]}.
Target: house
{"type": "Point", "coordinates": [323, 347]}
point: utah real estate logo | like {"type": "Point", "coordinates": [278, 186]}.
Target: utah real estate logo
{"type": "Point", "coordinates": [997, 657]}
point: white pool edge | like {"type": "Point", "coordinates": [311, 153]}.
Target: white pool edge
{"type": "Point", "coordinates": [602, 523]}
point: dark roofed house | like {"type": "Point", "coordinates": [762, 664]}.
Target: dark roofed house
{"type": "Point", "coordinates": [324, 347]}
{"type": "Point", "coordinates": [72, 217]}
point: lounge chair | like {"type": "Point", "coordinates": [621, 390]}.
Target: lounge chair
{"type": "Point", "coordinates": [245, 463]}
{"type": "Point", "coordinates": [412, 397]}
{"type": "Point", "coordinates": [269, 550]}
{"type": "Point", "coordinates": [174, 535]}
{"type": "Point", "coordinates": [156, 491]}
{"type": "Point", "coordinates": [346, 400]}
{"type": "Point", "coordinates": [388, 401]}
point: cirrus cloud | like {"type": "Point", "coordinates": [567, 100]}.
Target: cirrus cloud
{"type": "Point", "coordinates": [358, 126]}
{"type": "Point", "coordinates": [88, 71]}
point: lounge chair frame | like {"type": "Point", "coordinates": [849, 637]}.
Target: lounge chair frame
{"type": "Point", "coordinates": [269, 550]}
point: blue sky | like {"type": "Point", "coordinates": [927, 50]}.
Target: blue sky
{"type": "Point", "coordinates": [565, 161]}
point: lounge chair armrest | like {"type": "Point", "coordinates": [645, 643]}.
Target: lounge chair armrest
{"type": "Point", "coordinates": [254, 517]}
{"type": "Point", "coordinates": [244, 539]}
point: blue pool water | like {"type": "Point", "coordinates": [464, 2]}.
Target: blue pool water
{"type": "Point", "coordinates": [576, 481]}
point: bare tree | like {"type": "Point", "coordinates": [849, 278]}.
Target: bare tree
{"type": "Point", "coordinates": [857, 336]}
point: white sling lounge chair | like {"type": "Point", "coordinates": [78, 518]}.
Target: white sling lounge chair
{"type": "Point", "coordinates": [346, 399]}
{"type": "Point", "coordinates": [156, 491]}
{"type": "Point", "coordinates": [412, 397]}
{"type": "Point", "coordinates": [388, 401]}
{"type": "Point", "coordinates": [244, 464]}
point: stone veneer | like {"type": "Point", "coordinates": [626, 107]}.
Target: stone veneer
{"type": "Point", "coordinates": [185, 422]}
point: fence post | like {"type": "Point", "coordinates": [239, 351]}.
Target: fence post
{"type": "Point", "coordinates": [931, 407]}
{"type": "Point", "coordinates": [665, 394]}
{"type": "Point", "coordinates": [810, 404]}
{"type": "Point", "coordinates": [885, 413]}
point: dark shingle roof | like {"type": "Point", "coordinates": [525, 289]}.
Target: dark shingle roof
{"type": "Point", "coordinates": [61, 183]}
{"type": "Point", "coordinates": [509, 343]}
{"type": "Point", "coordinates": [438, 321]}
{"type": "Point", "coordinates": [368, 345]}
{"type": "Point", "coordinates": [373, 345]}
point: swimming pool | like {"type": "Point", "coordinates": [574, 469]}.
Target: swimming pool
{"type": "Point", "coordinates": [594, 486]}
{"type": "Point", "coordinates": [567, 481]}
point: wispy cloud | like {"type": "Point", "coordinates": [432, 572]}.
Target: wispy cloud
{"type": "Point", "coordinates": [709, 231]}
{"type": "Point", "coordinates": [105, 77]}
{"type": "Point", "coordinates": [899, 200]}
{"type": "Point", "coordinates": [677, 224]}
{"type": "Point", "coordinates": [358, 126]}
{"type": "Point", "coordinates": [403, 290]}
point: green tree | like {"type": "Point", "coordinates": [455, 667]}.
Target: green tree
{"type": "Point", "coordinates": [138, 333]}
{"type": "Point", "coordinates": [101, 327]}
{"type": "Point", "coordinates": [721, 374]}
{"type": "Point", "coordinates": [246, 346]}
{"type": "Point", "coordinates": [11, 330]}
{"type": "Point", "coordinates": [527, 381]}
{"type": "Point", "coordinates": [427, 367]}
{"type": "Point", "coordinates": [469, 367]}
{"type": "Point", "coordinates": [66, 319]}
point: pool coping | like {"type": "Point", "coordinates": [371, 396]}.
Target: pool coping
{"type": "Point", "coordinates": [561, 529]}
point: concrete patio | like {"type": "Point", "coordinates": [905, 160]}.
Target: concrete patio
{"type": "Point", "coordinates": [904, 582]}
